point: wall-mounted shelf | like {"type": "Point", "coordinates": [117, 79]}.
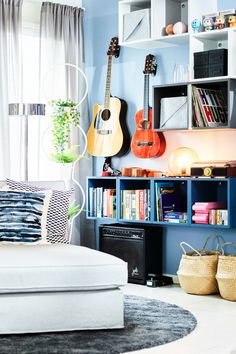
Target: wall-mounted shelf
{"type": "Point", "coordinates": [185, 119]}
{"type": "Point", "coordinates": [160, 14]}
{"type": "Point", "coordinates": [134, 194]}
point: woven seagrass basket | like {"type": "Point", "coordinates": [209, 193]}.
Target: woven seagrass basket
{"type": "Point", "coordinates": [226, 274]}
{"type": "Point", "coordinates": [197, 269]}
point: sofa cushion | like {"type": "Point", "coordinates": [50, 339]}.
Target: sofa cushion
{"type": "Point", "coordinates": [23, 216]}
{"type": "Point", "coordinates": [57, 213]}
{"type": "Point", "coordinates": [58, 267]}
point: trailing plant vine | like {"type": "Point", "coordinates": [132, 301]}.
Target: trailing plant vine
{"type": "Point", "coordinates": [64, 116]}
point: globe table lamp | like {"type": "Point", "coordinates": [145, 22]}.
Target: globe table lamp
{"type": "Point", "coordinates": [181, 160]}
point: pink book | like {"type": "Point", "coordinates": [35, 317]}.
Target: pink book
{"type": "Point", "coordinates": [204, 207]}
{"type": "Point", "coordinates": [202, 218]}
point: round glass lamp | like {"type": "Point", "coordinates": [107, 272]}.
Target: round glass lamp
{"type": "Point", "coordinates": [180, 161]}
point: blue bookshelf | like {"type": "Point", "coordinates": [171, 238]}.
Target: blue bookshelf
{"type": "Point", "coordinates": [188, 191]}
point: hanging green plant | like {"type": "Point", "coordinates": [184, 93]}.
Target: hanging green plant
{"type": "Point", "coordinates": [64, 116]}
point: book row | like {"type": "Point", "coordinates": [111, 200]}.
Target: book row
{"type": "Point", "coordinates": [136, 204]}
{"type": "Point", "coordinates": [102, 202]}
{"type": "Point", "coordinates": [209, 107]}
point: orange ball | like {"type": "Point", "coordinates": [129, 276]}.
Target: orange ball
{"type": "Point", "coordinates": [169, 29]}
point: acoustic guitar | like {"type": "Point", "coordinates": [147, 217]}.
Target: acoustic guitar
{"type": "Point", "coordinates": [108, 134]}
{"type": "Point", "coordinates": [146, 143]}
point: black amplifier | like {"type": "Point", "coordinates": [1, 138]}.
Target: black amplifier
{"type": "Point", "coordinates": [140, 247]}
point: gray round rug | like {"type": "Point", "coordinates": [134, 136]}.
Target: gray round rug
{"type": "Point", "coordinates": [148, 323]}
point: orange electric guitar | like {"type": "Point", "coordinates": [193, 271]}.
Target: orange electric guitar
{"type": "Point", "coordinates": [146, 143]}
{"type": "Point", "coordinates": [108, 134]}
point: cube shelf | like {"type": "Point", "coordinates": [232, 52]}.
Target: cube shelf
{"type": "Point", "coordinates": [180, 114]}
{"type": "Point", "coordinates": [176, 208]}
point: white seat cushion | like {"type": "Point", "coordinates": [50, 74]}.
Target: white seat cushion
{"type": "Point", "coordinates": [57, 267]}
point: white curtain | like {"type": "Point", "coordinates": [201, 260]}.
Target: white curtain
{"type": "Point", "coordinates": [61, 43]}
{"type": "Point", "coordinates": [10, 73]}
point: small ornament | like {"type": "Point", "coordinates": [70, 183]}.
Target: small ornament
{"type": "Point", "coordinates": [179, 27]}
{"type": "Point", "coordinates": [196, 25]}
{"type": "Point", "coordinates": [169, 29]}
{"type": "Point", "coordinates": [232, 21]}
{"type": "Point", "coordinates": [219, 22]}
{"type": "Point", "coordinates": [208, 24]}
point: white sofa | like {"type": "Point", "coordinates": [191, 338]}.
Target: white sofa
{"type": "Point", "coordinates": [59, 287]}
{"type": "Point", "coordinates": [56, 287]}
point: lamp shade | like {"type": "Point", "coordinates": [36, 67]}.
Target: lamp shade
{"type": "Point", "coordinates": [180, 161]}
{"type": "Point", "coordinates": [26, 109]}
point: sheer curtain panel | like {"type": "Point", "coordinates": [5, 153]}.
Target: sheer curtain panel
{"type": "Point", "coordinates": [61, 42]}
{"type": "Point", "coordinates": [10, 73]}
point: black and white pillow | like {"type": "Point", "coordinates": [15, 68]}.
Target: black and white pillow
{"type": "Point", "coordinates": [57, 219]}
{"type": "Point", "coordinates": [23, 216]}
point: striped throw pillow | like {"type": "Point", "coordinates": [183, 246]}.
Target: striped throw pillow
{"type": "Point", "coordinates": [57, 220]}
{"type": "Point", "coordinates": [23, 216]}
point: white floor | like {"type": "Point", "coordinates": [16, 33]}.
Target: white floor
{"type": "Point", "coordinates": [216, 329]}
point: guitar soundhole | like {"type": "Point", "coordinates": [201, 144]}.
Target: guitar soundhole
{"type": "Point", "coordinates": [106, 114]}
{"type": "Point", "coordinates": [145, 124]}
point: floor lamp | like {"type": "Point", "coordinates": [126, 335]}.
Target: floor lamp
{"type": "Point", "coordinates": [26, 110]}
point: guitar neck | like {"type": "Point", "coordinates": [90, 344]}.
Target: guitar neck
{"type": "Point", "coordinates": [146, 97]}
{"type": "Point", "coordinates": [108, 83]}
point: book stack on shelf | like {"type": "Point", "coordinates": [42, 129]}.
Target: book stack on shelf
{"type": "Point", "coordinates": [102, 202]}
{"type": "Point", "coordinates": [136, 204]}
{"type": "Point", "coordinates": [214, 213]}
{"type": "Point", "coordinates": [168, 203]}
{"type": "Point", "coordinates": [209, 107]}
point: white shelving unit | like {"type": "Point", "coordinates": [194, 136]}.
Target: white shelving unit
{"type": "Point", "coordinates": [164, 12]}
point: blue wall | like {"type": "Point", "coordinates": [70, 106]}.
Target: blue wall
{"type": "Point", "coordinates": [101, 24]}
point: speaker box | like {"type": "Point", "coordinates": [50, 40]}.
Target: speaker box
{"type": "Point", "coordinates": [140, 247]}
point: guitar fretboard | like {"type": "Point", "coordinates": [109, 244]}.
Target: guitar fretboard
{"type": "Point", "coordinates": [146, 97]}
{"type": "Point", "coordinates": [108, 83]}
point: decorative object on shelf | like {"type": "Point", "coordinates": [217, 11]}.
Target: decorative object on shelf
{"type": "Point", "coordinates": [213, 169]}
{"type": "Point", "coordinates": [181, 160]}
{"type": "Point", "coordinates": [208, 24]}
{"type": "Point", "coordinates": [219, 22]}
{"type": "Point", "coordinates": [196, 25]}
{"type": "Point", "coordinates": [146, 143]}
{"type": "Point", "coordinates": [140, 172]}
{"type": "Point", "coordinates": [180, 27]}
{"type": "Point", "coordinates": [232, 21]}
{"type": "Point", "coordinates": [108, 169]}
{"type": "Point", "coordinates": [169, 29]}
{"type": "Point", "coordinates": [108, 134]}
{"type": "Point", "coordinates": [26, 110]}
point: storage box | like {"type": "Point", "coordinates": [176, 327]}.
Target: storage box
{"type": "Point", "coordinates": [210, 63]}
{"type": "Point", "coordinates": [174, 113]}
{"type": "Point", "coordinates": [136, 25]}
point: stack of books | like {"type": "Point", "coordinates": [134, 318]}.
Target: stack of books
{"type": "Point", "coordinates": [168, 203]}
{"type": "Point", "coordinates": [209, 107]}
{"type": "Point", "coordinates": [214, 213]}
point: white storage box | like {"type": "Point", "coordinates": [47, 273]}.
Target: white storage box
{"type": "Point", "coordinates": [174, 113]}
{"type": "Point", "coordinates": [136, 25]}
